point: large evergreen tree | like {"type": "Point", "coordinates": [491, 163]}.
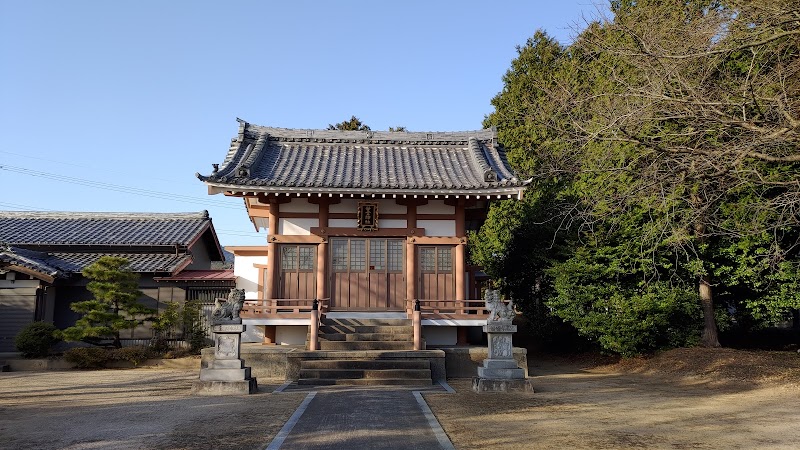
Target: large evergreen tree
{"type": "Point", "coordinates": [353, 124]}
{"type": "Point", "coordinates": [667, 138]}
{"type": "Point", "coordinates": [114, 307]}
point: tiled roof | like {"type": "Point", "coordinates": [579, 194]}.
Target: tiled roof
{"type": "Point", "coordinates": [61, 264]}
{"type": "Point", "coordinates": [78, 228]}
{"type": "Point", "coordinates": [139, 262]}
{"type": "Point", "coordinates": [36, 261]}
{"type": "Point", "coordinates": [276, 159]}
{"type": "Point", "coordinates": [201, 275]}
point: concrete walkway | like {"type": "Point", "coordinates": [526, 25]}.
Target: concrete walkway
{"type": "Point", "coordinates": [362, 418]}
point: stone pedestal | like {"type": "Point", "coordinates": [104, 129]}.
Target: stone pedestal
{"type": "Point", "coordinates": [500, 372]}
{"type": "Point", "coordinates": [226, 373]}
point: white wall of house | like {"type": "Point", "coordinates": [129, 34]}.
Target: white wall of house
{"type": "Point", "coordinates": [438, 227]}
{"type": "Point", "coordinates": [436, 207]}
{"type": "Point", "coordinates": [392, 223]}
{"type": "Point", "coordinates": [253, 333]}
{"type": "Point", "coordinates": [346, 223]}
{"type": "Point", "coordinates": [290, 334]}
{"type": "Point", "coordinates": [296, 227]}
{"type": "Point", "coordinates": [247, 275]}
{"type": "Point", "coordinates": [300, 205]}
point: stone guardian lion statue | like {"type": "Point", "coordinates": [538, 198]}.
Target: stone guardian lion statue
{"type": "Point", "coordinates": [230, 308]}
{"type": "Point", "coordinates": [498, 309]}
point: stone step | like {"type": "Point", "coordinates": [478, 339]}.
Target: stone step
{"type": "Point", "coordinates": [364, 382]}
{"type": "Point", "coordinates": [415, 374]}
{"type": "Point", "coordinates": [365, 322]}
{"type": "Point", "coordinates": [384, 329]}
{"type": "Point", "coordinates": [363, 364]}
{"type": "Point", "coordinates": [366, 345]}
{"type": "Point", "coordinates": [365, 337]}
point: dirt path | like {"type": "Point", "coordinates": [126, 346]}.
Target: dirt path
{"type": "Point", "coordinates": [600, 407]}
{"type": "Point", "coordinates": [133, 409]}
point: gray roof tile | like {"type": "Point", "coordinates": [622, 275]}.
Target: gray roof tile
{"type": "Point", "coordinates": [78, 228]}
{"type": "Point", "coordinates": [37, 261]}
{"type": "Point", "coordinates": [139, 262]}
{"type": "Point", "coordinates": [290, 158]}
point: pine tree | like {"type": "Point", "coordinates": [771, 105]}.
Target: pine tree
{"type": "Point", "coordinates": [114, 307]}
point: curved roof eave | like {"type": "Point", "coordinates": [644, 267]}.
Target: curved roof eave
{"type": "Point", "coordinates": [233, 189]}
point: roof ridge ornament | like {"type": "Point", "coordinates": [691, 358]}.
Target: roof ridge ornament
{"type": "Point", "coordinates": [479, 157]}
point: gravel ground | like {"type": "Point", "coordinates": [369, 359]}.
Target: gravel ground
{"type": "Point", "coordinates": [134, 409]}
{"type": "Point", "coordinates": [700, 398]}
{"type": "Point", "coordinates": [687, 398]}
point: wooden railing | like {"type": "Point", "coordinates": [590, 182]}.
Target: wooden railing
{"type": "Point", "coordinates": [281, 308]}
{"type": "Point", "coordinates": [450, 309]}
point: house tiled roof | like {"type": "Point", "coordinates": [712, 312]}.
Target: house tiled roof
{"type": "Point", "coordinates": [280, 159]}
{"type": "Point", "coordinates": [42, 263]}
{"type": "Point", "coordinates": [139, 262]}
{"type": "Point", "coordinates": [79, 228]}
{"type": "Point", "coordinates": [62, 264]}
{"type": "Point", "coordinates": [201, 275]}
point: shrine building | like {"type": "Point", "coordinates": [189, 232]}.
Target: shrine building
{"type": "Point", "coordinates": [365, 222]}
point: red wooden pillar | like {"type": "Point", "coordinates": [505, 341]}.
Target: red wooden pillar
{"type": "Point", "coordinates": [272, 252]}
{"type": "Point", "coordinates": [411, 266]}
{"type": "Point", "coordinates": [461, 254]}
{"type": "Point", "coordinates": [322, 254]}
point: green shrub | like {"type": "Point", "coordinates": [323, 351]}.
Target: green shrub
{"type": "Point", "coordinates": [35, 340]}
{"type": "Point", "coordinates": [134, 355]}
{"type": "Point", "coordinates": [194, 332]}
{"type": "Point", "coordinates": [88, 357]}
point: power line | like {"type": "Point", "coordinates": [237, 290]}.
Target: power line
{"type": "Point", "coordinates": [116, 188]}
{"type": "Point", "coordinates": [23, 207]}
{"type": "Point", "coordinates": [72, 164]}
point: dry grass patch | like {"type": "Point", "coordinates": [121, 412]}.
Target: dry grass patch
{"type": "Point", "coordinates": [686, 398]}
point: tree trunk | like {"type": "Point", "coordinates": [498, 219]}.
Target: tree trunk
{"type": "Point", "coordinates": [796, 319]}
{"type": "Point", "coordinates": [710, 336]}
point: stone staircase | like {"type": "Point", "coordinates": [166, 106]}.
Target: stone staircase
{"type": "Point", "coordinates": [365, 352]}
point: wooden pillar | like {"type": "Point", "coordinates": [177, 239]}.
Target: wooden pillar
{"type": "Point", "coordinates": [322, 254]}
{"type": "Point", "coordinates": [462, 336]}
{"type": "Point", "coordinates": [272, 253]}
{"type": "Point", "coordinates": [411, 266]}
{"type": "Point", "coordinates": [461, 254]}
{"type": "Point", "coordinates": [269, 335]}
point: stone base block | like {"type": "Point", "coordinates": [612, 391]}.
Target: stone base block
{"type": "Point", "coordinates": [500, 364]}
{"type": "Point", "coordinates": [503, 374]}
{"type": "Point", "coordinates": [226, 364]}
{"type": "Point", "coordinates": [224, 374]}
{"type": "Point", "coordinates": [480, 385]}
{"type": "Point", "coordinates": [241, 387]}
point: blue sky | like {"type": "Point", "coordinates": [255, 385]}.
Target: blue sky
{"type": "Point", "coordinates": [114, 105]}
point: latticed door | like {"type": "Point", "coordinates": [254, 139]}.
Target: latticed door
{"type": "Point", "coordinates": [435, 269]}
{"type": "Point", "coordinates": [298, 275]}
{"type": "Point", "coordinates": [367, 274]}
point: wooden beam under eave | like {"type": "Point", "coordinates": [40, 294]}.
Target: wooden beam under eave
{"type": "Point", "coordinates": [296, 239]}
{"type": "Point", "coordinates": [355, 232]}
{"type": "Point", "coordinates": [437, 240]}
{"type": "Point", "coordinates": [248, 250]}
{"type": "Point", "coordinates": [34, 273]}
{"type": "Point", "coordinates": [258, 212]}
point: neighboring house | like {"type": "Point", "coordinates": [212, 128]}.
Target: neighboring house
{"type": "Point", "coordinates": [42, 255]}
{"type": "Point", "coordinates": [368, 222]}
